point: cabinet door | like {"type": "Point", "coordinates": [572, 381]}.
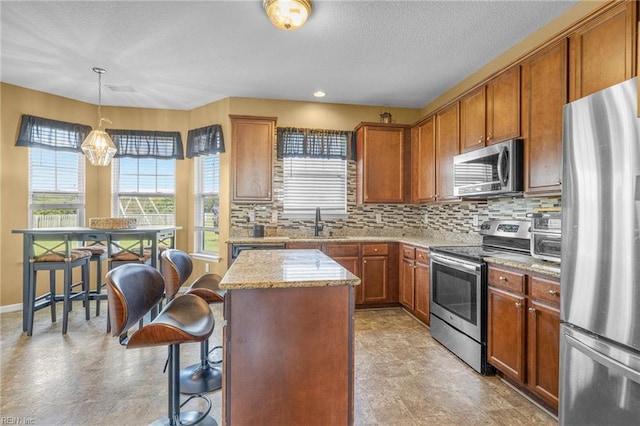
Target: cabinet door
{"type": "Point", "coordinates": [545, 93]}
{"type": "Point", "coordinates": [447, 146]}
{"type": "Point", "coordinates": [602, 51]}
{"type": "Point", "coordinates": [380, 153]}
{"type": "Point", "coordinates": [472, 120]}
{"type": "Point", "coordinates": [506, 333]}
{"type": "Point", "coordinates": [543, 330]}
{"type": "Point", "coordinates": [252, 157]}
{"type": "Point", "coordinates": [423, 161]}
{"type": "Point", "coordinates": [503, 106]}
{"type": "Point", "coordinates": [351, 265]}
{"type": "Point", "coordinates": [421, 303]}
{"type": "Point", "coordinates": [374, 279]}
{"type": "Point", "coordinates": [407, 284]}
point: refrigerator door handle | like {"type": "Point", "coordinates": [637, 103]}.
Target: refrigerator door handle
{"type": "Point", "coordinates": [608, 362]}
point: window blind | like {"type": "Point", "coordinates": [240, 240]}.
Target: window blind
{"type": "Point", "coordinates": [207, 202]}
{"type": "Point", "coordinates": [315, 182]}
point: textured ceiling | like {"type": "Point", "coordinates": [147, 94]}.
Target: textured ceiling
{"type": "Point", "coordinates": [185, 54]}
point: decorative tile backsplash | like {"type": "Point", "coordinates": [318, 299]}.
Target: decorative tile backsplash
{"type": "Point", "coordinates": [451, 220]}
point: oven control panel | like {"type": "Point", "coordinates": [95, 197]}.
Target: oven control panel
{"type": "Point", "coordinates": [506, 228]}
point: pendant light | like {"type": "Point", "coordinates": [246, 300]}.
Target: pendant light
{"type": "Point", "coordinates": [98, 146]}
{"type": "Point", "coordinates": [287, 14]}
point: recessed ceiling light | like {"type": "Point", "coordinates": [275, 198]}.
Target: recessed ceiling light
{"type": "Point", "coordinates": [319, 94]}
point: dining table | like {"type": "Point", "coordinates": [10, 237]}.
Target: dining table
{"type": "Point", "coordinates": [157, 235]}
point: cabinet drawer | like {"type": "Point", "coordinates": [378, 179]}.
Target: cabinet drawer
{"type": "Point", "coordinates": [375, 249]}
{"type": "Point", "coordinates": [545, 290]}
{"type": "Point", "coordinates": [422, 255]}
{"type": "Point", "coordinates": [508, 280]}
{"type": "Point", "coordinates": [342, 250]}
{"type": "Point", "coordinates": [408, 252]}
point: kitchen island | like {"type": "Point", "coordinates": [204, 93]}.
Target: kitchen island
{"type": "Point", "coordinates": [288, 339]}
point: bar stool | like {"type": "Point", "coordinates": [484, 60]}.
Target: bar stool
{"type": "Point", "coordinates": [98, 255]}
{"type": "Point", "coordinates": [177, 267]}
{"type": "Point", "coordinates": [133, 290]}
{"type": "Point", "coordinates": [54, 253]}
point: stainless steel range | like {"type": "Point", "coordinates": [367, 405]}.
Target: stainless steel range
{"type": "Point", "coordinates": [459, 289]}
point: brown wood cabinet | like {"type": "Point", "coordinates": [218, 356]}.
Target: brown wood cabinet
{"type": "Point", "coordinates": [252, 140]}
{"type": "Point", "coordinates": [523, 330]}
{"type": "Point", "coordinates": [383, 163]}
{"type": "Point", "coordinates": [447, 146]}
{"type": "Point", "coordinates": [544, 81]}
{"type": "Point", "coordinates": [491, 113]}
{"type": "Point", "coordinates": [414, 281]}
{"type": "Point", "coordinates": [376, 264]}
{"type": "Point", "coordinates": [603, 51]}
{"type": "Point", "coordinates": [423, 158]}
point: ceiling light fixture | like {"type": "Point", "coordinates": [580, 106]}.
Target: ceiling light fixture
{"type": "Point", "coordinates": [287, 14]}
{"type": "Point", "coordinates": [319, 94]}
{"type": "Point", "coordinates": [98, 146]}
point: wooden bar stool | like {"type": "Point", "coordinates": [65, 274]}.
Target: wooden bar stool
{"type": "Point", "coordinates": [54, 253]}
{"type": "Point", "coordinates": [98, 255]}
{"type": "Point", "coordinates": [133, 290]}
{"type": "Point", "coordinates": [176, 269]}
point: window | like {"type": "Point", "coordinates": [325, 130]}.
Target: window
{"type": "Point", "coordinates": [56, 171]}
{"type": "Point", "coordinates": [207, 203]}
{"type": "Point", "coordinates": [56, 188]}
{"type": "Point", "coordinates": [315, 171]}
{"type": "Point", "coordinates": [144, 188]}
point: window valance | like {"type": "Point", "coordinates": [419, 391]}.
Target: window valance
{"type": "Point", "coordinates": [314, 143]}
{"type": "Point", "coordinates": [51, 134]}
{"type": "Point", "coordinates": [147, 144]}
{"type": "Point", "coordinates": [205, 141]}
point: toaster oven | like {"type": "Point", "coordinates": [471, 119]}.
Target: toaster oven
{"type": "Point", "coordinates": [546, 236]}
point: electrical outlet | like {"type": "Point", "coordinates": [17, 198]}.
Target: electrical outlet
{"type": "Point", "coordinates": [206, 267]}
{"type": "Point", "coordinates": [252, 216]}
{"type": "Point", "coordinates": [425, 218]}
{"type": "Point", "coordinates": [378, 218]}
{"type": "Point", "coordinates": [476, 220]}
{"type": "Point", "coordinates": [274, 216]}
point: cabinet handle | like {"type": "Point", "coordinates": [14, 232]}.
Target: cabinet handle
{"type": "Point", "coordinates": [503, 278]}
{"type": "Point", "coordinates": [518, 304]}
{"type": "Point", "coordinates": [375, 249]}
{"type": "Point", "coordinates": [532, 310]}
{"type": "Point", "coordinates": [553, 292]}
{"type": "Point", "coordinates": [364, 261]}
{"type": "Point", "coordinates": [480, 140]}
{"type": "Point", "coordinates": [490, 136]}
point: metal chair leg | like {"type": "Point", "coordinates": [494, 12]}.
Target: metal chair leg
{"type": "Point", "coordinates": [202, 377]}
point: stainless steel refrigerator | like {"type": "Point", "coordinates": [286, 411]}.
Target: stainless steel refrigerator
{"type": "Point", "coordinates": [600, 278]}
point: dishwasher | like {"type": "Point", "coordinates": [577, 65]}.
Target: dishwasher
{"type": "Point", "coordinates": [237, 248]}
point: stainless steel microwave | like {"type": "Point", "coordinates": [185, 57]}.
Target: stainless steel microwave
{"type": "Point", "coordinates": [492, 171]}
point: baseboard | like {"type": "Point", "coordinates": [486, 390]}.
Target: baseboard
{"type": "Point", "coordinates": [10, 308]}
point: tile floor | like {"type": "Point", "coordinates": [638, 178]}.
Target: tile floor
{"type": "Point", "coordinates": [403, 377]}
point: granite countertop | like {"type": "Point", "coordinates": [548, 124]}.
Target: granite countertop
{"type": "Point", "coordinates": [284, 269]}
{"type": "Point", "coordinates": [424, 242]}
{"type": "Point", "coordinates": [527, 263]}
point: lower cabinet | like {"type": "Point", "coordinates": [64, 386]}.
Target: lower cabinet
{"type": "Point", "coordinates": [523, 330]}
{"type": "Point", "coordinates": [414, 281]}
{"type": "Point", "coordinates": [374, 263]}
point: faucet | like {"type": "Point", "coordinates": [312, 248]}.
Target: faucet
{"type": "Point", "coordinates": [317, 229]}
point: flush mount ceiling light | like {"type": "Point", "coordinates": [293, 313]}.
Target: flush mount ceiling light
{"type": "Point", "coordinates": [287, 14]}
{"type": "Point", "coordinates": [98, 146]}
{"type": "Point", "coordinates": [319, 94]}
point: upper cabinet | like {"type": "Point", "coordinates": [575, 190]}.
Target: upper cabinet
{"type": "Point", "coordinates": [491, 113]}
{"type": "Point", "coordinates": [383, 163]}
{"type": "Point", "coordinates": [423, 156]}
{"type": "Point", "coordinates": [603, 51]}
{"type": "Point", "coordinates": [544, 83]}
{"type": "Point", "coordinates": [447, 146]}
{"type": "Point", "coordinates": [252, 141]}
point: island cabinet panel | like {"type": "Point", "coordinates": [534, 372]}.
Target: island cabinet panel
{"type": "Point", "coordinates": [544, 80]}
{"type": "Point", "coordinates": [279, 344]}
{"type": "Point", "coordinates": [603, 51]}
{"type": "Point", "coordinates": [447, 146]}
{"type": "Point", "coordinates": [252, 140]}
{"type": "Point", "coordinates": [423, 157]}
{"type": "Point", "coordinates": [382, 163]}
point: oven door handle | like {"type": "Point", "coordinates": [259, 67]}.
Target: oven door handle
{"type": "Point", "coordinates": [456, 264]}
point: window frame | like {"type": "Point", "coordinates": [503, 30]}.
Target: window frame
{"type": "Point", "coordinates": [200, 228]}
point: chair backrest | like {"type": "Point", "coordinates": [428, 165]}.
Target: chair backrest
{"type": "Point", "coordinates": [127, 246]}
{"type": "Point", "coordinates": [132, 289]}
{"type": "Point", "coordinates": [49, 247]}
{"type": "Point", "coordinates": [176, 269]}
